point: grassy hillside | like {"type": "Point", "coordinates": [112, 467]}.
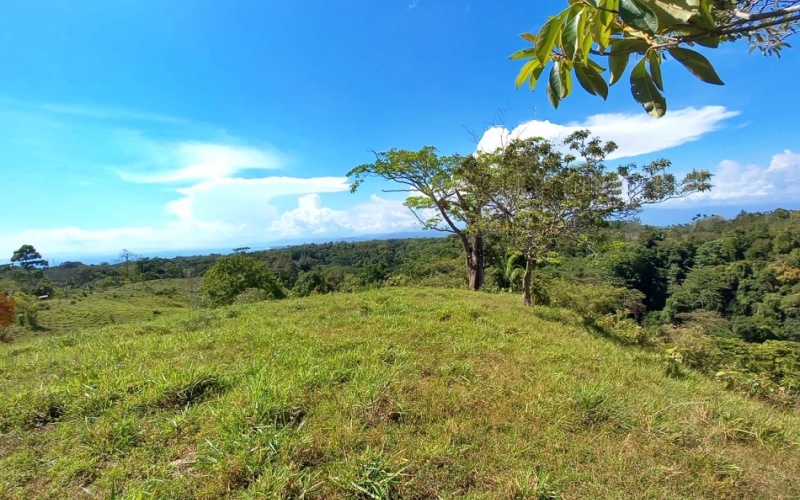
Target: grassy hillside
{"type": "Point", "coordinates": [406, 393]}
{"type": "Point", "coordinates": [129, 302]}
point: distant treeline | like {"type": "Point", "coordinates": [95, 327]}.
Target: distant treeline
{"type": "Point", "coordinates": [305, 269]}
{"type": "Point", "coordinates": [740, 278]}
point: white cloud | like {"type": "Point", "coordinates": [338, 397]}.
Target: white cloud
{"type": "Point", "coordinates": [218, 208]}
{"type": "Point", "coordinates": [310, 219]}
{"type": "Point", "coordinates": [245, 202]}
{"type": "Point", "coordinates": [377, 216]}
{"type": "Point", "coordinates": [202, 161]}
{"type": "Point", "coordinates": [738, 184]}
{"type": "Point", "coordinates": [72, 242]}
{"type": "Point", "coordinates": [635, 134]}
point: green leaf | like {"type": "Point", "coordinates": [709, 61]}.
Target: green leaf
{"type": "Point", "coordinates": [537, 72]}
{"type": "Point", "coordinates": [629, 45]}
{"type": "Point", "coordinates": [697, 65]}
{"type": "Point", "coordinates": [620, 55]}
{"type": "Point", "coordinates": [585, 40]}
{"type": "Point", "coordinates": [654, 61]}
{"type": "Point", "coordinates": [591, 81]}
{"type": "Point", "coordinates": [592, 64]}
{"type": "Point", "coordinates": [546, 39]}
{"type": "Point", "coordinates": [645, 92]}
{"type": "Point", "coordinates": [639, 15]}
{"type": "Point", "coordinates": [711, 42]}
{"type": "Point", "coordinates": [705, 19]}
{"type": "Point", "coordinates": [601, 25]}
{"type": "Point", "coordinates": [565, 75]}
{"type": "Point", "coordinates": [570, 41]}
{"type": "Point", "coordinates": [523, 54]}
{"type": "Point", "coordinates": [529, 37]}
{"type": "Point", "coordinates": [555, 80]}
{"type": "Point", "coordinates": [674, 11]}
{"type": "Point", "coordinates": [617, 63]}
{"type": "Point", "coordinates": [526, 71]}
{"type": "Point", "coordinates": [551, 95]}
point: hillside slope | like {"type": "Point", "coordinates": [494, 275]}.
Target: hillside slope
{"type": "Point", "coordinates": [127, 303]}
{"type": "Point", "coordinates": [402, 393]}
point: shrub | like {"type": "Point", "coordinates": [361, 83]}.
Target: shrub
{"type": "Point", "coordinates": [27, 307]}
{"type": "Point", "coordinates": [234, 274]}
{"type": "Point", "coordinates": [252, 295]}
{"type": "Point", "coordinates": [310, 283]}
{"type": "Point", "coordinates": [595, 299]}
{"type": "Point", "coordinates": [7, 309]}
{"type": "Point", "coordinates": [7, 314]}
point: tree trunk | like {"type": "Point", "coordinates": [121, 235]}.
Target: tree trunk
{"type": "Point", "coordinates": [526, 280]}
{"type": "Point", "coordinates": [475, 261]}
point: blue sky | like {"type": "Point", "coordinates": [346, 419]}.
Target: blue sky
{"type": "Point", "coordinates": [176, 126]}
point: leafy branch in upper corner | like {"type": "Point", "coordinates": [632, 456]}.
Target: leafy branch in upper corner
{"type": "Point", "coordinates": [589, 31]}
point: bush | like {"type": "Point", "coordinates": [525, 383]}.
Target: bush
{"type": "Point", "coordinates": [596, 299]}
{"type": "Point", "coordinates": [769, 370]}
{"type": "Point", "coordinates": [310, 283]}
{"type": "Point", "coordinates": [28, 308]}
{"type": "Point", "coordinates": [7, 311]}
{"type": "Point", "coordinates": [233, 274]}
{"type": "Point", "coordinates": [252, 295]}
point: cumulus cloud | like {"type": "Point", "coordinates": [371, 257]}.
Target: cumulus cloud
{"type": "Point", "coordinates": [202, 161]}
{"type": "Point", "coordinates": [310, 219]}
{"type": "Point", "coordinates": [377, 216]}
{"type": "Point", "coordinates": [217, 196]}
{"type": "Point", "coordinates": [245, 201]}
{"type": "Point", "coordinates": [216, 206]}
{"type": "Point", "coordinates": [737, 184]}
{"type": "Point", "coordinates": [635, 134]}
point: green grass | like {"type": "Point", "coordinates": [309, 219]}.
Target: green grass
{"type": "Point", "coordinates": [129, 302]}
{"type": "Point", "coordinates": [393, 393]}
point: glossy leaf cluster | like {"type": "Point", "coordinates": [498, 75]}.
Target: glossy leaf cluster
{"type": "Point", "coordinates": [588, 31]}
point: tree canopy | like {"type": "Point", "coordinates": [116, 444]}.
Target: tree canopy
{"type": "Point", "coordinates": [439, 197]}
{"type": "Point", "coordinates": [234, 274]}
{"type": "Point", "coordinates": [591, 34]}
{"type": "Point", "coordinates": [538, 195]}
{"type": "Point", "coordinates": [28, 258]}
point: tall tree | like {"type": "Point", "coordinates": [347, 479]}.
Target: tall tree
{"type": "Point", "coordinates": [28, 258]}
{"type": "Point", "coordinates": [609, 31]}
{"type": "Point", "coordinates": [538, 195]}
{"type": "Point", "coordinates": [128, 259]}
{"type": "Point", "coordinates": [440, 198]}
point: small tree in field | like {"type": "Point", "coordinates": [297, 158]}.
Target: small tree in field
{"type": "Point", "coordinates": [234, 274]}
{"type": "Point", "coordinates": [438, 198]}
{"type": "Point", "coordinates": [537, 195]}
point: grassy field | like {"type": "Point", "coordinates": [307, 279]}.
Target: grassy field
{"type": "Point", "coordinates": [127, 303]}
{"type": "Point", "coordinates": [393, 393]}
